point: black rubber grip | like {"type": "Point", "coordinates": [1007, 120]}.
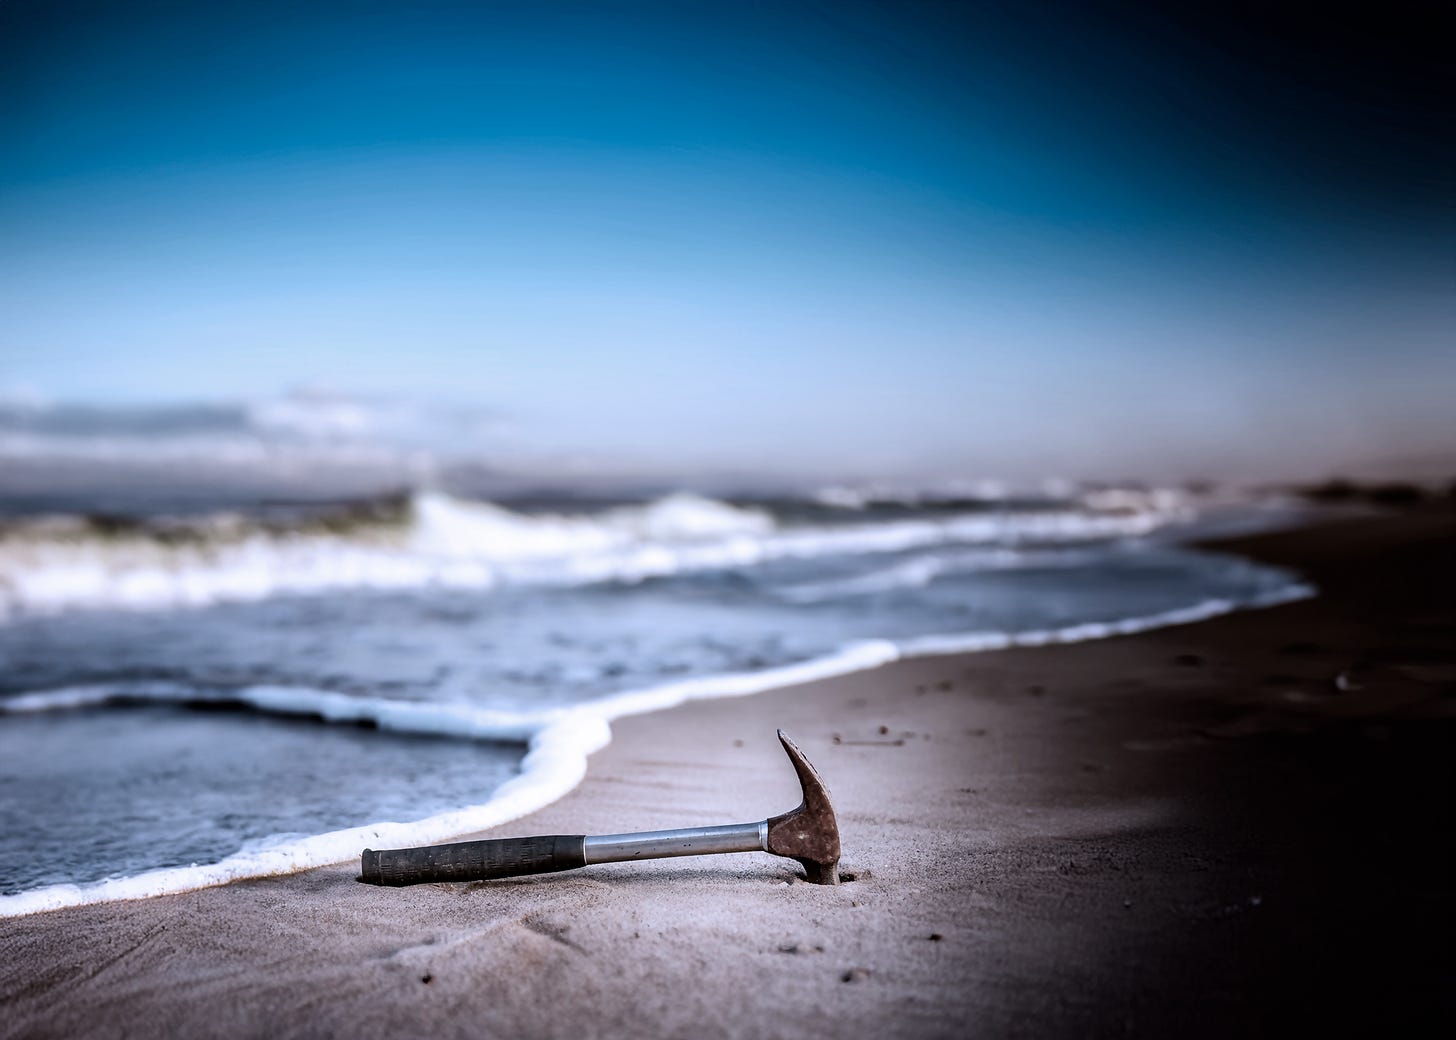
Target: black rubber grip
{"type": "Point", "coordinates": [473, 860]}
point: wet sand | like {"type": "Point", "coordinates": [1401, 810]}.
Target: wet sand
{"type": "Point", "coordinates": [1238, 827]}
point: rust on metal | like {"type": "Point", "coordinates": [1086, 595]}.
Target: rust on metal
{"type": "Point", "coordinates": [810, 833]}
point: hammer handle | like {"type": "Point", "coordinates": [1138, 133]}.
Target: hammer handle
{"type": "Point", "coordinates": [473, 860]}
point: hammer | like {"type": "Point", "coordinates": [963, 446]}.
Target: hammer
{"type": "Point", "coordinates": [809, 834]}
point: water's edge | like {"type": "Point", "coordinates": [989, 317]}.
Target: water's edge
{"type": "Point", "coordinates": [558, 741]}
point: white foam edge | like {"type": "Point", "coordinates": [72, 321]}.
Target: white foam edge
{"type": "Point", "coordinates": [559, 743]}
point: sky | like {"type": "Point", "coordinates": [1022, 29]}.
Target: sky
{"type": "Point", "coordinates": [823, 239]}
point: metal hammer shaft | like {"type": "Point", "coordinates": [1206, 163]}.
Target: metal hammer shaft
{"type": "Point", "coordinates": [686, 841]}
{"type": "Point", "coordinates": [544, 854]}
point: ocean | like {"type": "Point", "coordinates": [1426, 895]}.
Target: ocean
{"type": "Point", "coordinates": [214, 687]}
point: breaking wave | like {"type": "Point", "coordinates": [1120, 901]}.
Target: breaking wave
{"type": "Point", "coordinates": [50, 565]}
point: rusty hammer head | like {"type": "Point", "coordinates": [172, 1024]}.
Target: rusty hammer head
{"type": "Point", "coordinates": [810, 833]}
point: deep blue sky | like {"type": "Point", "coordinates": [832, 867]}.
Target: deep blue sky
{"type": "Point", "coordinates": [824, 238]}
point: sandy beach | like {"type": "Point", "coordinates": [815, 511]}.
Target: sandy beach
{"type": "Point", "coordinates": [1237, 827]}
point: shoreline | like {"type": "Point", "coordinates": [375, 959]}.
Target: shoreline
{"type": "Point", "coordinates": [1189, 828]}
{"type": "Point", "coordinates": [559, 743]}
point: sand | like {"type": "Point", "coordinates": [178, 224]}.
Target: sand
{"type": "Point", "coordinates": [1236, 827]}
